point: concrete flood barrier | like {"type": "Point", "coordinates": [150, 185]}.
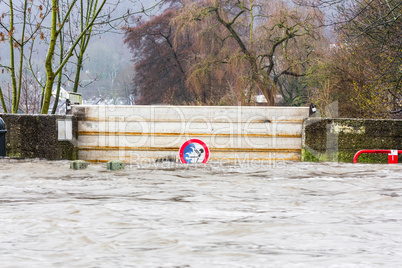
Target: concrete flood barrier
{"type": "Point", "coordinates": [146, 133]}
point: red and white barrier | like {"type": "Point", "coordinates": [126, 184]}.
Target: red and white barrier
{"type": "Point", "coordinates": [392, 155]}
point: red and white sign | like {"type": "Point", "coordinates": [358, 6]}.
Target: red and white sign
{"type": "Point", "coordinates": [194, 151]}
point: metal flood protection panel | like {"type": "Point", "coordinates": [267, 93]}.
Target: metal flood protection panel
{"type": "Point", "coordinates": [146, 133]}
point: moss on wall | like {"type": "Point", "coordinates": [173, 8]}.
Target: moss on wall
{"type": "Point", "coordinates": [36, 136]}
{"type": "Point", "coordinates": [340, 139]}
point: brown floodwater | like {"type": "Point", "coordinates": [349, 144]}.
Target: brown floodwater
{"type": "Point", "coordinates": [286, 214]}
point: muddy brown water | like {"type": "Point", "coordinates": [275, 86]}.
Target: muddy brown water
{"type": "Point", "coordinates": [287, 214]}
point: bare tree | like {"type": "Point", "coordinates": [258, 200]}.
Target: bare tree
{"type": "Point", "coordinates": [263, 34]}
{"type": "Point", "coordinates": [363, 70]}
{"type": "Point", "coordinates": [66, 37]}
{"type": "Point", "coordinates": [206, 52]}
{"type": "Point", "coordinates": [56, 29]}
{"type": "Point", "coordinates": [23, 26]}
{"type": "Point", "coordinates": [160, 66]}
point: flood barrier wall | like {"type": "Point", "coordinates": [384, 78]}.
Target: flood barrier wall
{"type": "Point", "coordinates": [52, 137]}
{"type": "Point", "coordinates": [234, 134]}
{"type": "Point", "coordinates": [148, 133]}
{"type": "Point", "coordinates": [339, 140]}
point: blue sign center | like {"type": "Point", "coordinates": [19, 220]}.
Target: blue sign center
{"type": "Point", "coordinates": [193, 153]}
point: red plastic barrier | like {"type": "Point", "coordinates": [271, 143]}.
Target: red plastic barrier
{"type": "Point", "coordinates": [392, 155]}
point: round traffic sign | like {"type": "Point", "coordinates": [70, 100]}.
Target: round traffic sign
{"type": "Point", "coordinates": [194, 151]}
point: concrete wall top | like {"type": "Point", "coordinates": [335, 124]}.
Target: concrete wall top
{"type": "Point", "coordinates": [169, 113]}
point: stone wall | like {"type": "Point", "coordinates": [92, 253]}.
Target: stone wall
{"type": "Point", "coordinates": [340, 139]}
{"type": "Point", "coordinates": [38, 136]}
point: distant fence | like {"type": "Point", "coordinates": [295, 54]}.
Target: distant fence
{"type": "Point", "coordinates": [146, 133]}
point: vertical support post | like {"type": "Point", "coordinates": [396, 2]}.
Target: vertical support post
{"type": "Point", "coordinates": [393, 157]}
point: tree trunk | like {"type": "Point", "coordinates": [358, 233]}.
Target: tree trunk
{"type": "Point", "coordinates": [14, 108]}
{"type": "Point", "coordinates": [48, 63]}
{"type": "Point", "coordinates": [3, 103]}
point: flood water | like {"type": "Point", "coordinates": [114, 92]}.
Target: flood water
{"type": "Point", "coordinates": [288, 214]}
